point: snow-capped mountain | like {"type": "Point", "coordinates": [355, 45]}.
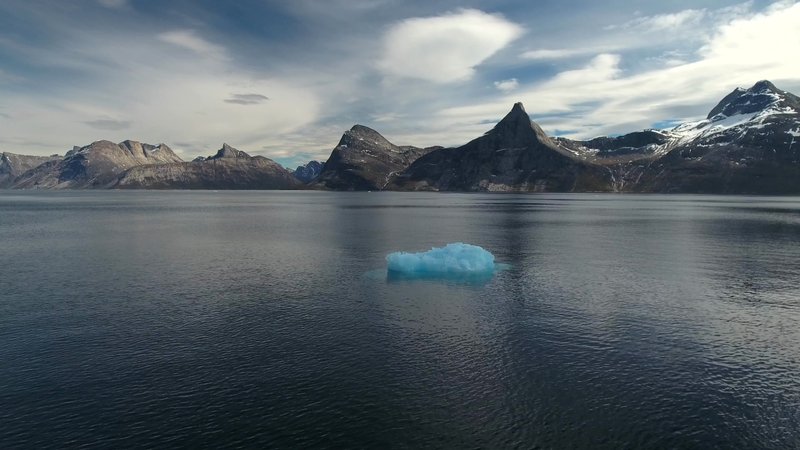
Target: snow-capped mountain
{"type": "Point", "coordinates": [749, 143]}
{"type": "Point", "coordinates": [759, 112]}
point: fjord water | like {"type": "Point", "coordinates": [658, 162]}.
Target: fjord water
{"type": "Point", "coordinates": [230, 319]}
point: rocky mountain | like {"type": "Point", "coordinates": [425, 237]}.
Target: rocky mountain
{"type": "Point", "coordinates": [308, 171]}
{"type": "Point", "coordinates": [748, 144]}
{"type": "Point", "coordinates": [13, 165]}
{"type": "Point", "coordinates": [363, 160]}
{"type": "Point", "coordinates": [516, 155]}
{"type": "Point", "coordinates": [229, 168]}
{"type": "Point", "coordinates": [97, 165]}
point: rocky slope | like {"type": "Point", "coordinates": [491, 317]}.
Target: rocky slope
{"type": "Point", "coordinates": [748, 144]}
{"type": "Point", "coordinates": [13, 165]}
{"type": "Point", "coordinates": [308, 172]}
{"type": "Point", "coordinates": [97, 165]}
{"type": "Point", "coordinates": [516, 155]}
{"type": "Point", "coordinates": [363, 160]}
{"type": "Point", "coordinates": [229, 168]}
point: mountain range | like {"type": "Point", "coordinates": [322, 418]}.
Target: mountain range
{"type": "Point", "coordinates": [134, 165]}
{"type": "Point", "coordinates": [746, 145]}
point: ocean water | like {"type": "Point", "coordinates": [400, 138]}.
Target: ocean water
{"type": "Point", "coordinates": [263, 319]}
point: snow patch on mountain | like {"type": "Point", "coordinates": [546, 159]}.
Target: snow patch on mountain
{"type": "Point", "coordinates": [720, 123]}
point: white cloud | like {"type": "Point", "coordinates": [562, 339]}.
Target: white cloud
{"type": "Point", "coordinates": [644, 33]}
{"type": "Point", "coordinates": [663, 33]}
{"type": "Point", "coordinates": [190, 40]}
{"type": "Point", "coordinates": [507, 85]}
{"type": "Point", "coordinates": [141, 89]}
{"type": "Point", "coordinates": [740, 53]}
{"type": "Point", "coordinates": [662, 22]}
{"type": "Point", "coordinates": [445, 48]}
{"type": "Point", "coordinates": [546, 54]}
{"type": "Point", "coordinates": [183, 88]}
{"type": "Point", "coordinates": [602, 98]}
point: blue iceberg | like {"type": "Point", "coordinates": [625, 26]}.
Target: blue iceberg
{"type": "Point", "coordinates": [452, 260]}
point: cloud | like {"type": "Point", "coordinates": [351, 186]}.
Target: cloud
{"type": "Point", "coordinates": [662, 22]}
{"type": "Point", "coordinates": [446, 48]}
{"type": "Point", "coordinates": [545, 54]}
{"type": "Point", "coordinates": [668, 34]}
{"type": "Point", "coordinates": [190, 40]}
{"type": "Point", "coordinates": [246, 99]}
{"type": "Point", "coordinates": [108, 124]}
{"type": "Point", "coordinates": [164, 93]}
{"type": "Point", "coordinates": [602, 97]}
{"type": "Point", "coordinates": [181, 76]}
{"type": "Point", "coordinates": [507, 85]}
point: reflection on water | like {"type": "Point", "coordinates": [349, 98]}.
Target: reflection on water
{"type": "Point", "coordinates": [253, 319]}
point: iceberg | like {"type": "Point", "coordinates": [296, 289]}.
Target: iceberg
{"type": "Point", "coordinates": [452, 260]}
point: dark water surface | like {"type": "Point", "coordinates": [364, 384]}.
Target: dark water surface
{"type": "Point", "coordinates": [245, 319]}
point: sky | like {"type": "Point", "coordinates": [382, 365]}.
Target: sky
{"type": "Point", "coordinates": [284, 79]}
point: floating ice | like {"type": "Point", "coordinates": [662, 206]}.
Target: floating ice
{"type": "Point", "coordinates": [455, 259]}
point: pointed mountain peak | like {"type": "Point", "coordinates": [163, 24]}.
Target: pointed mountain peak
{"type": "Point", "coordinates": [229, 152]}
{"type": "Point", "coordinates": [517, 113]}
{"type": "Point", "coordinates": [516, 130]}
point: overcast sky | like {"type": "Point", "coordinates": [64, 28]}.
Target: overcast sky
{"type": "Point", "coordinates": [284, 79]}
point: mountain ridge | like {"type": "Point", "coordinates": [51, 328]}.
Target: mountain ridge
{"type": "Point", "coordinates": [746, 144]}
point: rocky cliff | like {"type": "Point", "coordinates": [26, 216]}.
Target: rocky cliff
{"type": "Point", "coordinates": [363, 160]}
{"type": "Point", "coordinates": [13, 165]}
{"type": "Point", "coordinates": [229, 168]}
{"type": "Point", "coordinates": [97, 165]}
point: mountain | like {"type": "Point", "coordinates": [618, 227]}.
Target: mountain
{"type": "Point", "coordinates": [13, 165]}
{"type": "Point", "coordinates": [516, 155]}
{"type": "Point", "coordinates": [308, 171]}
{"type": "Point", "coordinates": [229, 168]}
{"type": "Point", "coordinates": [363, 160]}
{"type": "Point", "coordinates": [97, 165]}
{"type": "Point", "coordinates": [748, 144]}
